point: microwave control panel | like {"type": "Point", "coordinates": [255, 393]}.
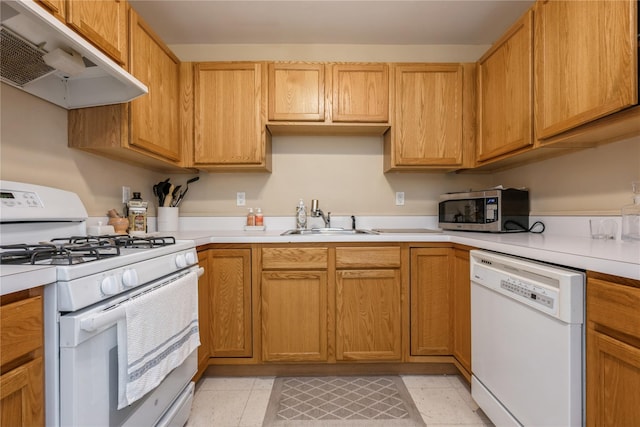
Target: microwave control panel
{"type": "Point", "coordinates": [491, 210]}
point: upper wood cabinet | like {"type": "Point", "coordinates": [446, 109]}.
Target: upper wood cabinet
{"type": "Point", "coordinates": [57, 8]}
{"type": "Point", "coordinates": [155, 123]}
{"type": "Point", "coordinates": [146, 131]}
{"type": "Point", "coordinates": [432, 127]}
{"type": "Point", "coordinates": [104, 23]}
{"type": "Point", "coordinates": [230, 117]}
{"type": "Point", "coordinates": [360, 93]}
{"type": "Point", "coordinates": [505, 93]}
{"type": "Point", "coordinates": [328, 98]}
{"type": "Point", "coordinates": [585, 62]}
{"type": "Point", "coordinates": [296, 91]}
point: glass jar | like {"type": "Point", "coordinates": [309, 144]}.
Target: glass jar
{"type": "Point", "coordinates": [631, 216]}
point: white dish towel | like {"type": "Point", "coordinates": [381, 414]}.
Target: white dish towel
{"type": "Point", "coordinates": [158, 333]}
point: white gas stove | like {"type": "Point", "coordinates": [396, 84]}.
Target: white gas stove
{"type": "Point", "coordinates": [98, 279]}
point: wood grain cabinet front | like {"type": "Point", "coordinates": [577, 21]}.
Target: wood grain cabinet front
{"type": "Point", "coordinates": [294, 304]}
{"type": "Point", "coordinates": [230, 117]}
{"type": "Point", "coordinates": [613, 351]}
{"type": "Point", "coordinates": [368, 304]}
{"type": "Point", "coordinates": [505, 93]}
{"type": "Point", "coordinates": [433, 122]}
{"type": "Point", "coordinates": [430, 295]}
{"type": "Point", "coordinates": [360, 93]}
{"type": "Point", "coordinates": [586, 55]}
{"type": "Point", "coordinates": [21, 350]}
{"type": "Point", "coordinates": [296, 91]}
{"type": "Point", "coordinates": [145, 131]}
{"type": "Point", "coordinates": [104, 23]}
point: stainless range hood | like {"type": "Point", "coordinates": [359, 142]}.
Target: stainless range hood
{"type": "Point", "coordinates": [74, 73]}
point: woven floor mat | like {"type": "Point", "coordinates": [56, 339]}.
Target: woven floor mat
{"type": "Point", "coordinates": [341, 401]}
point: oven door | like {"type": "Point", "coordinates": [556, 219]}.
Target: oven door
{"type": "Point", "coordinates": [89, 373]}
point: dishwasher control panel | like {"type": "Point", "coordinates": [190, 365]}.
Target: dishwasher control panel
{"type": "Point", "coordinates": [537, 294]}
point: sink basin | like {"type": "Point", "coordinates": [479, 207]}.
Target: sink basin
{"type": "Point", "coordinates": [327, 231]}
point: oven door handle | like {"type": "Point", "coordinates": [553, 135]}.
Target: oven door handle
{"type": "Point", "coordinates": [114, 314]}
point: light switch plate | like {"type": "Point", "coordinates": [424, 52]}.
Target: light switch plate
{"type": "Point", "coordinates": [399, 198]}
{"type": "Point", "coordinates": [240, 198]}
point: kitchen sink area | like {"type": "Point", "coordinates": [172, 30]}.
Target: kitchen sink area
{"type": "Point", "coordinates": [327, 231]}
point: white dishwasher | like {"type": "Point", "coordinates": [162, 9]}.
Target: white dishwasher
{"type": "Point", "coordinates": [527, 341]}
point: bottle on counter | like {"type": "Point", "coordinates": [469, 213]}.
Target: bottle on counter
{"type": "Point", "coordinates": [631, 216]}
{"type": "Point", "coordinates": [251, 218]}
{"type": "Point", "coordinates": [301, 215]}
{"type": "Point", "coordinates": [259, 217]}
{"type": "Point", "coordinates": [137, 214]}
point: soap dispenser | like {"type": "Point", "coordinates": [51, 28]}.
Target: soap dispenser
{"type": "Point", "coordinates": [631, 216]}
{"type": "Point", "coordinates": [301, 216]}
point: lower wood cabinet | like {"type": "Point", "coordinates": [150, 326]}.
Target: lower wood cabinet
{"type": "Point", "coordinates": [613, 351]}
{"type": "Point", "coordinates": [294, 316]}
{"type": "Point", "coordinates": [368, 303]}
{"type": "Point", "coordinates": [430, 296]}
{"type": "Point", "coordinates": [368, 315]}
{"type": "Point", "coordinates": [21, 371]}
{"type": "Point", "coordinates": [230, 303]}
{"type": "Point", "coordinates": [461, 309]}
{"type": "Point", "coordinates": [294, 300]}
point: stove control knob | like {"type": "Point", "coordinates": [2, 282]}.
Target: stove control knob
{"type": "Point", "coordinates": [190, 258]}
{"type": "Point", "coordinates": [181, 261]}
{"type": "Point", "coordinates": [110, 285]}
{"type": "Point", "coordinates": [130, 278]}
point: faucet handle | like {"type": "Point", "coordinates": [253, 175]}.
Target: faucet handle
{"type": "Point", "coordinates": [353, 222]}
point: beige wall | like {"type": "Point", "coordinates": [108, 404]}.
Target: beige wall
{"type": "Point", "coordinates": [34, 149]}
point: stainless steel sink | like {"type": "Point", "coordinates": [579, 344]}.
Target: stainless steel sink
{"type": "Point", "coordinates": [327, 231]}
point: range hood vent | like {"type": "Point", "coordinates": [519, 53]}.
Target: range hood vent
{"type": "Point", "coordinates": [44, 57]}
{"type": "Point", "coordinates": [21, 61]}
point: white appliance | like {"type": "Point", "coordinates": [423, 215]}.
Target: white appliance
{"type": "Point", "coordinates": [44, 57]}
{"type": "Point", "coordinates": [527, 341]}
{"type": "Point", "coordinates": [96, 278]}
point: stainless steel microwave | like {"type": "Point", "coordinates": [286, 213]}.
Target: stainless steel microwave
{"type": "Point", "coordinates": [496, 211]}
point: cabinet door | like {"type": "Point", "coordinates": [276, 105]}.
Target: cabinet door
{"type": "Point", "coordinates": [461, 308]}
{"type": "Point", "coordinates": [104, 23]}
{"type": "Point", "coordinates": [360, 93]}
{"type": "Point", "coordinates": [613, 381]}
{"type": "Point", "coordinates": [428, 116]}
{"type": "Point", "coordinates": [505, 93]}
{"type": "Point", "coordinates": [229, 127]}
{"type": "Point", "coordinates": [294, 316]}
{"type": "Point", "coordinates": [296, 91]}
{"type": "Point", "coordinates": [430, 301]}
{"type": "Point", "coordinates": [21, 395]}
{"type": "Point", "coordinates": [155, 124]}
{"type": "Point", "coordinates": [368, 315]}
{"type": "Point", "coordinates": [58, 8]}
{"type": "Point", "coordinates": [203, 313]}
{"type": "Point", "coordinates": [230, 303]}
{"type": "Point", "coordinates": [586, 62]}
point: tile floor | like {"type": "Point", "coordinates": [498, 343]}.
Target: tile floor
{"type": "Point", "coordinates": [242, 402]}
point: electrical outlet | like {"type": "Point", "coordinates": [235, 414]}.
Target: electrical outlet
{"type": "Point", "coordinates": [399, 198]}
{"type": "Point", "coordinates": [240, 199]}
{"type": "Point", "coordinates": [126, 194]}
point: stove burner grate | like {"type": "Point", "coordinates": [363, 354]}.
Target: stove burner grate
{"type": "Point", "coordinates": [49, 253]}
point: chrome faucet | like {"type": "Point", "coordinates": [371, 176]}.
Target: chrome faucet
{"type": "Point", "coordinates": [317, 212]}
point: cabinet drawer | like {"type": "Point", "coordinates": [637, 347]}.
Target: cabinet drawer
{"type": "Point", "coordinates": [614, 306]}
{"type": "Point", "coordinates": [368, 257]}
{"type": "Point", "coordinates": [21, 328]}
{"type": "Point", "coordinates": [298, 258]}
